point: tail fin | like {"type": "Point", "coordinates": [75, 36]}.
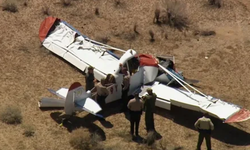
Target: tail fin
{"type": "Point", "coordinates": [75, 92]}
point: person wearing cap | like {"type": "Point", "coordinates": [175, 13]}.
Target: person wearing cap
{"type": "Point", "coordinates": [102, 93]}
{"type": "Point", "coordinates": [125, 88]}
{"type": "Point", "coordinates": [149, 107]}
{"type": "Point", "coordinates": [135, 107]}
{"type": "Point", "coordinates": [89, 79]}
{"type": "Point", "coordinates": [205, 126]}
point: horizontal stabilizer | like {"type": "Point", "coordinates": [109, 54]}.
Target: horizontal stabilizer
{"type": "Point", "coordinates": [88, 105]}
{"type": "Point", "coordinates": [51, 102]}
{"type": "Point", "coordinates": [62, 92]}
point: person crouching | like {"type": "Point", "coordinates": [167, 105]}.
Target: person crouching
{"type": "Point", "coordinates": [102, 94]}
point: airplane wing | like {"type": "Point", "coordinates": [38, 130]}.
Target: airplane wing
{"type": "Point", "coordinates": [167, 96]}
{"type": "Point", "coordinates": [65, 41]}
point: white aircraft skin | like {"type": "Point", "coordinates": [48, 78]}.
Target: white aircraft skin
{"type": "Point", "coordinates": [82, 52]}
{"type": "Point", "coordinates": [73, 99]}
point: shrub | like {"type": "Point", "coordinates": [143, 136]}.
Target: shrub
{"type": "Point", "coordinates": [204, 32]}
{"type": "Point", "coordinates": [152, 35]}
{"type": "Point", "coordinates": [215, 3]}
{"type": "Point", "coordinates": [25, 4]}
{"type": "Point", "coordinates": [10, 6]}
{"type": "Point", "coordinates": [95, 138]}
{"type": "Point", "coordinates": [29, 131]}
{"type": "Point", "coordinates": [97, 11]}
{"type": "Point", "coordinates": [150, 140]}
{"type": "Point", "coordinates": [45, 11]}
{"type": "Point", "coordinates": [117, 3]}
{"type": "Point", "coordinates": [157, 16]}
{"type": "Point", "coordinates": [66, 3]}
{"type": "Point", "coordinates": [103, 39]}
{"type": "Point", "coordinates": [176, 15]}
{"type": "Point", "coordinates": [135, 29]}
{"type": "Point", "coordinates": [82, 140]}
{"type": "Point", "coordinates": [11, 115]}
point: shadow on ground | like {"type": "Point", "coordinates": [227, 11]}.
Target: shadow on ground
{"type": "Point", "coordinates": [87, 121]}
{"type": "Point", "coordinates": [223, 132]}
{"type": "Point", "coordinates": [75, 122]}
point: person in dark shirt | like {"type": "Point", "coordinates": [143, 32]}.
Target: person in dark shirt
{"type": "Point", "coordinates": [149, 107]}
{"type": "Point", "coordinates": [89, 79]}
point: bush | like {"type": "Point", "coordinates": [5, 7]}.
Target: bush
{"type": "Point", "coordinates": [29, 131]}
{"type": "Point", "coordinates": [45, 11]}
{"type": "Point", "coordinates": [150, 140]}
{"type": "Point", "coordinates": [152, 36]}
{"type": "Point", "coordinates": [157, 16]}
{"type": "Point", "coordinates": [10, 6]}
{"type": "Point", "coordinates": [103, 39]}
{"type": "Point", "coordinates": [11, 115]}
{"type": "Point", "coordinates": [97, 13]}
{"type": "Point", "coordinates": [215, 3]}
{"type": "Point", "coordinates": [66, 3]}
{"type": "Point", "coordinates": [204, 32]}
{"type": "Point", "coordinates": [82, 140]}
{"type": "Point", "coordinates": [176, 15]}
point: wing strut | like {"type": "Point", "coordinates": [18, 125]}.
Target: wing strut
{"type": "Point", "coordinates": [182, 82]}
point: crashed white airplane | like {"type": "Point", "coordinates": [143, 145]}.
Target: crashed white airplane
{"type": "Point", "coordinates": [145, 70]}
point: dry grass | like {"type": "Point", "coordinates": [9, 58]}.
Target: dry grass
{"type": "Point", "coordinates": [11, 115]}
{"type": "Point", "coordinates": [9, 5]}
{"type": "Point", "coordinates": [26, 76]}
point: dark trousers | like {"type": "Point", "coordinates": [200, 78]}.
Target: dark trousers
{"type": "Point", "coordinates": [135, 117]}
{"type": "Point", "coordinates": [101, 102]}
{"type": "Point", "coordinates": [149, 120]}
{"type": "Point", "coordinates": [124, 99]}
{"type": "Point", "coordinates": [204, 134]}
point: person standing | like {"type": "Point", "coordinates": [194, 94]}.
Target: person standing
{"type": "Point", "coordinates": [89, 79]}
{"type": "Point", "coordinates": [135, 107]}
{"type": "Point", "coordinates": [205, 126]}
{"type": "Point", "coordinates": [125, 88]}
{"type": "Point", "coordinates": [102, 94]}
{"type": "Point", "coordinates": [149, 107]}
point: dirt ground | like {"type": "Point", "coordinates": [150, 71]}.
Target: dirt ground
{"type": "Point", "coordinates": [27, 69]}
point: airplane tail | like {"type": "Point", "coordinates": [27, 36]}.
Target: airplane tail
{"type": "Point", "coordinates": [73, 99]}
{"type": "Point", "coordinates": [75, 92]}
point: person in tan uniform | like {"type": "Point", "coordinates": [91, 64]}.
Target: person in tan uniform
{"type": "Point", "coordinates": [205, 126]}
{"type": "Point", "coordinates": [135, 107]}
{"type": "Point", "coordinates": [102, 93]}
